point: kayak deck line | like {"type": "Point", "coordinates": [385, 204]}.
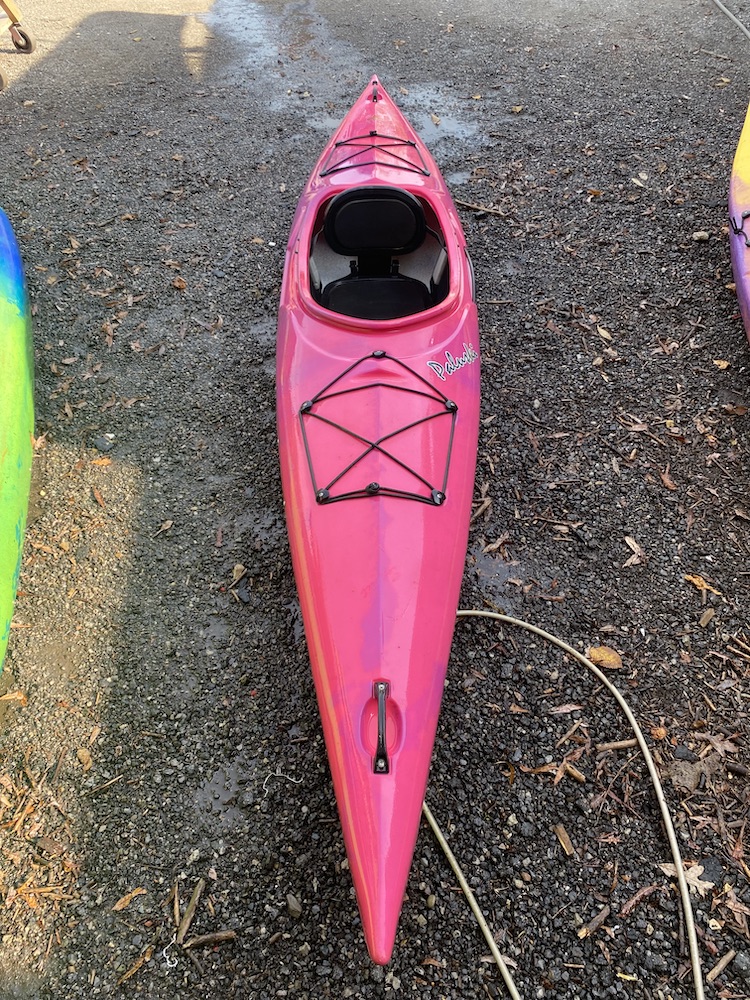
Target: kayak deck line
{"type": "Point", "coordinates": [436, 493]}
{"type": "Point", "coordinates": [354, 149]}
{"type": "Point", "coordinates": [740, 230]}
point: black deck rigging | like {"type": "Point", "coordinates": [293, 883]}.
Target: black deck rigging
{"type": "Point", "coordinates": [425, 491]}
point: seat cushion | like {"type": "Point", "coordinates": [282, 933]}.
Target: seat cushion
{"type": "Point", "coordinates": [376, 296]}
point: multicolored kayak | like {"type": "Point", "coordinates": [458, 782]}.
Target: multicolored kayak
{"type": "Point", "coordinates": [739, 220]}
{"type": "Point", "coordinates": [16, 420]}
{"type": "Point", "coordinates": [378, 416]}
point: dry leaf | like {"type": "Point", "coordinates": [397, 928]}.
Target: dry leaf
{"type": "Point", "coordinates": [721, 744]}
{"type": "Point", "coordinates": [435, 119]}
{"type": "Point", "coordinates": [605, 656]}
{"type": "Point", "coordinates": [700, 583]}
{"type": "Point", "coordinates": [128, 898]}
{"type": "Point", "coordinates": [139, 962]}
{"type": "Point", "coordinates": [721, 364]}
{"type": "Point", "coordinates": [18, 696]}
{"type": "Point", "coordinates": [687, 775]}
{"type": "Point", "coordinates": [179, 283]}
{"type": "Point", "coordinates": [692, 876]}
{"type": "Point", "coordinates": [542, 769]}
{"type": "Point", "coordinates": [666, 478]}
{"type": "Point", "coordinates": [638, 557]}
{"type": "Point", "coordinates": [85, 758]}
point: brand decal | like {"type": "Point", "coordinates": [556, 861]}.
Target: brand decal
{"type": "Point", "coordinates": [452, 364]}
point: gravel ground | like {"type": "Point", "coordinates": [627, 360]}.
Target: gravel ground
{"type": "Point", "coordinates": [162, 734]}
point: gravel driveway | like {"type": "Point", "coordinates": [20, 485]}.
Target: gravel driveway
{"type": "Point", "coordinates": [160, 742]}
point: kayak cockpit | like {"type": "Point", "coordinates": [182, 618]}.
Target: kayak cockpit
{"type": "Point", "coordinates": [377, 254]}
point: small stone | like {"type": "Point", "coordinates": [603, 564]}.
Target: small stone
{"type": "Point", "coordinates": [741, 965]}
{"type": "Point", "coordinates": [431, 900]}
{"type": "Point", "coordinates": [701, 236]}
{"type": "Point", "coordinates": [104, 443]}
{"type": "Point", "coordinates": [294, 906]}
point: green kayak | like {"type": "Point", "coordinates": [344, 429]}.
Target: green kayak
{"type": "Point", "coordinates": [16, 420]}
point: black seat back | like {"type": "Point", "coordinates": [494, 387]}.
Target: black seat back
{"type": "Point", "coordinates": [375, 224]}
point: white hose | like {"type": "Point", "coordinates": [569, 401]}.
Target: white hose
{"type": "Point", "coordinates": [687, 908]}
{"type": "Point", "coordinates": [735, 20]}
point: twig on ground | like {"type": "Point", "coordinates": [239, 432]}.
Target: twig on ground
{"type": "Point", "coordinates": [217, 937]}
{"type": "Point", "coordinates": [187, 918]}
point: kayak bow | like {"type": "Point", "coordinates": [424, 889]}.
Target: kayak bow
{"type": "Point", "coordinates": [378, 415]}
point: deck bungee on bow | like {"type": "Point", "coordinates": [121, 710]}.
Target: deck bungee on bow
{"type": "Point", "coordinates": [378, 415]}
{"type": "Point", "coordinates": [16, 421]}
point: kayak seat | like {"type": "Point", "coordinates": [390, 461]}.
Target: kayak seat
{"type": "Point", "coordinates": [374, 226]}
{"type": "Point", "coordinates": [375, 222]}
{"type": "Point", "coordinates": [376, 296]}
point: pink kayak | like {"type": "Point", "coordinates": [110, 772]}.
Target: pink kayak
{"type": "Point", "coordinates": [739, 219]}
{"type": "Point", "coordinates": [378, 416]}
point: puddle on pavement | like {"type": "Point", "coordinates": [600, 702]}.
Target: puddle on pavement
{"type": "Point", "coordinates": [223, 794]}
{"type": "Point", "coordinates": [458, 178]}
{"type": "Point", "coordinates": [312, 59]}
{"type": "Point", "coordinates": [299, 42]}
{"type": "Point", "coordinates": [494, 573]}
{"type": "Point", "coordinates": [215, 633]}
{"type": "Point", "coordinates": [429, 112]}
{"type": "Point", "coordinates": [248, 24]}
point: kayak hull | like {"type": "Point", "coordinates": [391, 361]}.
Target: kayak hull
{"type": "Point", "coordinates": [739, 218]}
{"type": "Point", "coordinates": [378, 425]}
{"type": "Point", "coordinates": [16, 421]}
